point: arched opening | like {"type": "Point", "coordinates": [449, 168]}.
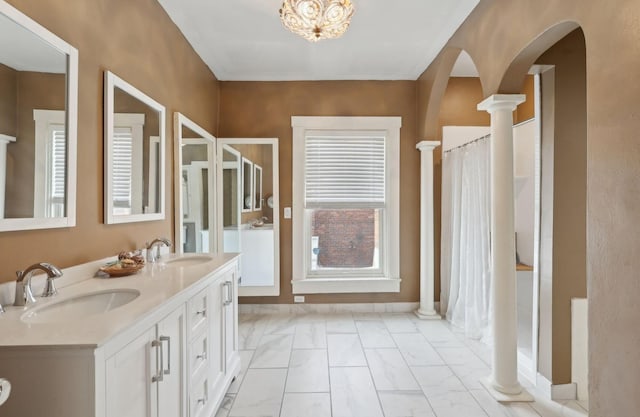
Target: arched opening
{"type": "Point", "coordinates": [558, 60]}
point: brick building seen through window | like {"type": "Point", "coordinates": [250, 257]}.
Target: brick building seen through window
{"type": "Point", "coordinates": [345, 238]}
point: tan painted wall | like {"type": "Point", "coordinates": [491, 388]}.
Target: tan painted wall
{"type": "Point", "coordinates": [137, 41]}
{"type": "Point", "coordinates": [8, 98]}
{"type": "Point", "coordinates": [264, 109]}
{"type": "Point", "coordinates": [494, 35]}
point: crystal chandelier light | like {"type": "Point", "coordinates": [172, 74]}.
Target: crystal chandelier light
{"type": "Point", "coordinates": [317, 19]}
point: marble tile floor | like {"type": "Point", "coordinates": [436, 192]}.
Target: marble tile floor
{"type": "Point", "coordinates": [366, 365]}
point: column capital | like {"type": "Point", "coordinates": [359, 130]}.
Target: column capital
{"type": "Point", "coordinates": [427, 145]}
{"type": "Point", "coordinates": [6, 138]}
{"type": "Point", "coordinates": [501, 102]}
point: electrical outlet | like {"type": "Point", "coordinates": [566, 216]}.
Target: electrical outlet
{"type": "Point", "coordinates": [298, 298]}
{"type": "Point", "coordinates": [287, 212]}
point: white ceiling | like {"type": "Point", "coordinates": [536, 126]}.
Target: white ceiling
{"type": "Point", "coordinates": [244, 40]}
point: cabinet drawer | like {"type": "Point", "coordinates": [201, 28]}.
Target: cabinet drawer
{"type": "Point", "coordinates": [199, 398]}
{"type": "Point", "coordinates": [198, 312]}
{"type": "Point", "coordinates": [198, 354]}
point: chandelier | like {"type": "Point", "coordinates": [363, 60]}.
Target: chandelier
{"type": "Point", "coordinates": [317, 19]}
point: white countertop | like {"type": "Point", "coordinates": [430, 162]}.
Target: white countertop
{"type": "Point", "coordinates": [157, 283]}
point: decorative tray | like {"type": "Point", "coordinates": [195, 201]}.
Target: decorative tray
{"type": "Point", "coordinates": [118, 269]}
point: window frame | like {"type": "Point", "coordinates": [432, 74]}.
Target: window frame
{"type": "Point", "coordinates": [387, 278]}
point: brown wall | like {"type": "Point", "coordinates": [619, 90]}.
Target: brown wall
{"type": "Point", "coordinates": [270, 105]}
{"type": "Point", "coordinates": [139, 42]}
{"type": "Point", "coordinates": [493, 35]}
{"type": "Point", "coordinates": [8, 100]}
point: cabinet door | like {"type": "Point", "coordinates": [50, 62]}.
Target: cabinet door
{"type": "Point", "coordinates": [171, 389]}
{"type": "Point", "coordinates": [230, 314]}
{"type": "Point", "coordinates": [130, 391]}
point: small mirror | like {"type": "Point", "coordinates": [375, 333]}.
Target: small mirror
{"type": "Point", "coordinates": [134, 154]}
{"type": "Point", "coordinates": [38, 125]}
{"type": "Point", "coordinates": [195, 162]}
{"type": "Point", "coordinates": [247, 185]}
{"type": "Point", "coordinates": [257, 187]}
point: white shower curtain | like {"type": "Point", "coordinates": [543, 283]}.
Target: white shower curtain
{"type": "Point", "coordinates": [464, 268]}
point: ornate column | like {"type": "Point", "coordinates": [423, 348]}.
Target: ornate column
{"type": "Point", "coordinates": [4, 141]}
{"type": "Point", "coordinates": [426, 310]}
{"type": "Point", "coordinates": [503, 383]}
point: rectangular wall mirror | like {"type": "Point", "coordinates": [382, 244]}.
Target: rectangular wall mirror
{"type": "Point", "coordinates": [195, 170]}
{"type": "Point", "coordinates": [256, 232]}
{"type": "Point", "coordinates": [38, 125]}
{"type": "Point", "coordinates": [134, 154]}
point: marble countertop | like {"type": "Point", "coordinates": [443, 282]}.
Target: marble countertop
{"type": "Point", "coordinates": [157, 283]}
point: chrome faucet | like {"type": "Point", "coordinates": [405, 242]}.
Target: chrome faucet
{"type": "Point", "coordinates": [156, 244]}
{"type": "Point", "coordinates": [24, 295]}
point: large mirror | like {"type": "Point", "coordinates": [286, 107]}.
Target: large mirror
{"type": "Point", "coordinates": [255, 232]}
{"type": "Point", "coordinates": [38, 125]}
{"type": "Point", "coordinates": [194, 201]}
{"type": "Point", "coordinates": [134, 154]}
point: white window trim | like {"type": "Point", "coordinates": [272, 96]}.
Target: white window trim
{"type": "Point", "coordinates": [302, 284]}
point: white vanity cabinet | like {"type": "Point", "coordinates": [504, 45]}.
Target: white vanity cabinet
{"type": "Point", "coordinates": [145, 377]}
{"type": "Point", "coordinates": [176, 359]}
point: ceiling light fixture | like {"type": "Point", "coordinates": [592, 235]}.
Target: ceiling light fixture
{"type": "Point", "coordinates": [317, 19]}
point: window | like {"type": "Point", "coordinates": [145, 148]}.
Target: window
{"type": "Point", "coordinates": [50, 153]}
{"type": "Point", "coordinates": [127, 163]}
{"type": "Point", "coordinates": [346, 204]}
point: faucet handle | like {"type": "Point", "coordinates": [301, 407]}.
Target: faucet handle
{"type": "Point", "coordinates": [50, 287]}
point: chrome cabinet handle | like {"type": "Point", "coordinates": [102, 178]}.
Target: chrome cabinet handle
{"type": "Point", "coordinates": [158, 377]}
{"type": "Point", "coordinates": [168, 340]}
{"type": "Point", "coordinates": [202, 312]}
{"type": "Point", "coordinates": [203, 356]}
{"type": "Point", "coordinates": [228, 298]}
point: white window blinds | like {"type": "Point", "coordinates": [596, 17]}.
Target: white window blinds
{"type": "Point", "coordinates": [56, 170]}
{"type": "Point", "coordinates": [122, 166]}
{"type": "Point", "coordinates": [344, 171]}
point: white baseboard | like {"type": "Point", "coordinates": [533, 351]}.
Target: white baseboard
{"type": "Point", "coordinates": [557, 392]}
{"type": "Point", "coordinates": [327, 308]}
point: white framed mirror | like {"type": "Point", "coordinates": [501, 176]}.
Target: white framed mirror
{"type": "Point", "coordinates": [254, 233]}
{"type": "Point", "coordinates": [257, 187]}
{"type": "Point", "coordinates": [195, 156]}
{"type": "Point", "coordinates": [38, 125]}
{"type": "Point", "coordinates": [247, 185]}
{"type": "Point", "coordinates": [134, 154]}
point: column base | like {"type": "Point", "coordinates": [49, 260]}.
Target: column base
{"type": "Point", "coordinates": [427, 315]}
{"type": "Point", "coordinates": [513, 395]}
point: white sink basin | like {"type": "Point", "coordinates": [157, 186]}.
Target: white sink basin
{"type": "Point", "coordinates": [190, 260]}
{"type": "Point", "coordinates": [81, 306]}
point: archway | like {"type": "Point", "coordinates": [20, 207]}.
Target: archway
{"type": "Point", "coordinates": [558, 58]}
